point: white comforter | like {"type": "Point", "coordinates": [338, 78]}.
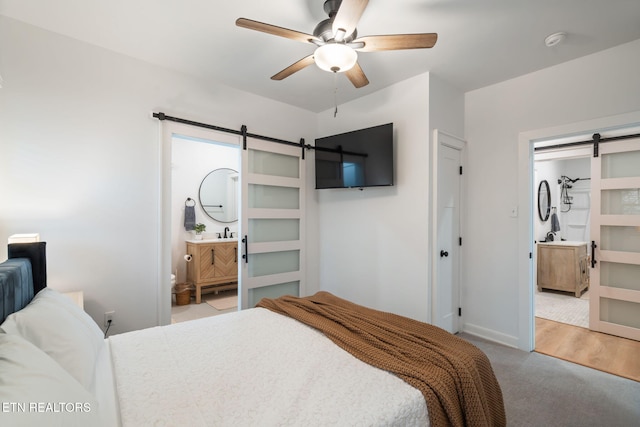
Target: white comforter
{"type": "Point", "coordinates": [253, 368]}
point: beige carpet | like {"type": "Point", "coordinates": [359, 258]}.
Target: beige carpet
{"type": "Point", "coordinates": [539, 390]}
{"type": "Point", "coordinates": [222, 302]}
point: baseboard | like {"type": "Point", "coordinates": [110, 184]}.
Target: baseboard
{"type": "Point", "coordinates": [490, 335]}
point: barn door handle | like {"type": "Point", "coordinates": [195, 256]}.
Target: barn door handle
{"type": "Point", "coordinates": [245, 255]}
{"type": "Point", "coordinates": [444, 254]}
{"type": "Point", "coordinates": [593, 254]}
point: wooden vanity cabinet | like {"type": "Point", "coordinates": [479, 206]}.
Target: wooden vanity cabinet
{"type": "Point", "coordinates": [563, 266]}
{"type": "Point", "coordinates": [213, 265]}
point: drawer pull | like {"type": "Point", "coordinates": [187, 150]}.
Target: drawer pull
{"type": "Point", "coordinates": [213, 256]}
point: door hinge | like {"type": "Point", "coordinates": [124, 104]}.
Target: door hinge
{"type": "Point", "coordinates": [459, 241]}
{"type": "Point", "coordinates": [459, 311]}
{"type": "Point", "coordinates": [460, 170]}
{"type": "Point", "coordinates": [530, 255]}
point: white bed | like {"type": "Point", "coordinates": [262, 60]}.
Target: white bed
{"type": "Point", "coordinates": [233, 370]}
{"type": "Point", "coordinates": [251, 368]}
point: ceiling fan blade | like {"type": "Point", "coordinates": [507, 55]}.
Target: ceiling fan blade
{"type": "Point", "coordinates": [347, 18]}
{"type": "Point", "coordinates": [293, 68]}
{"type": "Point", "coordinates": [275, 30]}
{"type": "Point", "coordinates": [397, 42]}
{"type": "Point", "coordinates": [356, 76]}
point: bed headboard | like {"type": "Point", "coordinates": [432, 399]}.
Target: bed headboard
{"type": "Point", "coordinates": [22, 276]}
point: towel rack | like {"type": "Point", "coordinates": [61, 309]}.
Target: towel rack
{"type": "Point", "coordinates": [189, 200]}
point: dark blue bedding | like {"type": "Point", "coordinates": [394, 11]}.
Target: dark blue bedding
{"type": "Point", "coordinates": [16, 285]}
{"type": "Point", "coordinates": [22, 276]}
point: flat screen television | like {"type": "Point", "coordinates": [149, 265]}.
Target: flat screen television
{"type": "Point", "coordinates": [356, 159]}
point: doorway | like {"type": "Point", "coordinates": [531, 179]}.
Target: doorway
{"type": "Point", "coordinates": [170, 215]}
{"type": "Point", "coordinates": [561, 230]}
{"type": "Point", "coordinates": [579, 338]}
{"type": "Point", "coordinates": [204, 180]}
{"type": "Point", "coordinates": [615, 125]}
{"type": "Point", "coordinates": [270, 259]}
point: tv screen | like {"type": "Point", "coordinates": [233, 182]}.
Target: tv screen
{"type": "Point", "coordinates": [356, 159]}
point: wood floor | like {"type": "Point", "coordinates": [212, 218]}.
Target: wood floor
{"type": "Point", "coordinates": [615, 355]}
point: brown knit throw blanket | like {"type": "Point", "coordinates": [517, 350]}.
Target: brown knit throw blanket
{"type": "Point", "coordinates": [454, 376]}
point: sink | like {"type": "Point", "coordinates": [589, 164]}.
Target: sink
{"type": "Point", "coordinates": [221, 240]}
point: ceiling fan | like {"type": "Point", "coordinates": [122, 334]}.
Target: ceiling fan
{"type": "Point", "coordinates": [337, 41]}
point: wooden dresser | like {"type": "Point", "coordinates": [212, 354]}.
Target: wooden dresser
{"type": "Point", "coordinates": [563, 266]}
{"type": "Point", "coordinates": [214, 265]}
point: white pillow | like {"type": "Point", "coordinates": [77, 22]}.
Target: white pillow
{"type": "Point", "coordinates": [54, 324]}
{"type": "Point", "coordinates": [36, 391]}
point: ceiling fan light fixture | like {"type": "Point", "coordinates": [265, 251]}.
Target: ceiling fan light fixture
{"type": "Point", "coordinates": [335, 57]}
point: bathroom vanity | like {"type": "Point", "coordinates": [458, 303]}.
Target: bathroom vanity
{"type": "Point", "coordinates": [214, 265]}
{"type": "Point", "coordinates": [563, 266]}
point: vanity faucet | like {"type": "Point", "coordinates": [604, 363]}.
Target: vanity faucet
{"type": "Point", "coordinates": [225, 232]}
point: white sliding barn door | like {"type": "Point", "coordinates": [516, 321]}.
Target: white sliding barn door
{"type": "Point", "coordinates": [614, 305]}
{"type": "Point", "coordinates": [272, 222]}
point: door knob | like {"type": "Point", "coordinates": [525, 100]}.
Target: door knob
{"type": "Point", "coordinates": [444, 253]}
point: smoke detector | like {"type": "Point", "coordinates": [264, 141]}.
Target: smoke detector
{"type": "Point", "coordinates": [555, 38]}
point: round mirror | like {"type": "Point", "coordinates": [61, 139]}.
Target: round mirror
{"type": "Point", "coordinates": [219, 195]}
{"type": "Point", "coordinates": [544, 200]}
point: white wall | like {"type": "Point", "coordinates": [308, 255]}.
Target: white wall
{"type": "Point", "coordinates": [446, 107]}
{"type": "Point", "coordinates": [374, 244]}
{"type": "Point", "coordinates": [599, 85]}
{"type": "Point", "coordinates": [574, 223]}
{"type": "Point", "coordinates": [549, 171]}
{"type": "Point", "coordinates": [574, 219]}
{"type": "Point", "coordinates": [80, 160]}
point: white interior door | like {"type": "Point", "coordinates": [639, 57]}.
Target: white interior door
{"type": "Point", "coordinates": [614, 305]}
{"type": "Point", "coordinates": [446, 261]}
{"type": "Point", "coordinates": [272, 222]}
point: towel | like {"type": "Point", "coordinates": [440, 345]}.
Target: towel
{"type": "Point", "coordinates": [555, 224]}
{"type": "Point", "coordinates": [189, 218]}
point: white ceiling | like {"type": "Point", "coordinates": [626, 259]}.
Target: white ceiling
{"type": "Point", "coordinates": [480, 42]}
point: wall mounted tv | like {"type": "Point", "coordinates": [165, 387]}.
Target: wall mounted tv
{"type": "Point", "coordinates": [356, 159]}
